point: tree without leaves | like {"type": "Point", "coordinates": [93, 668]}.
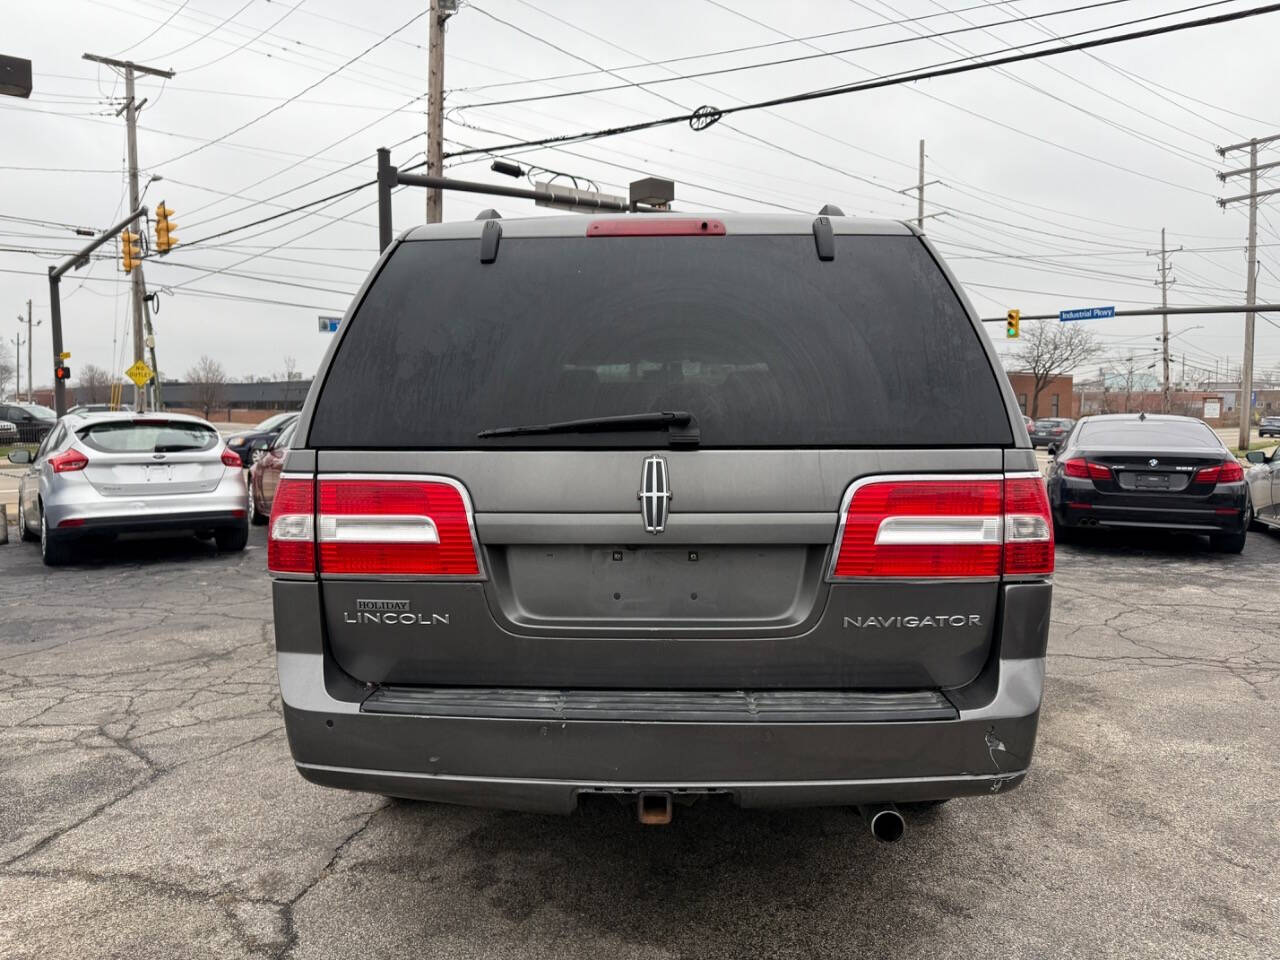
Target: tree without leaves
{"type": "Point", "coordinates": [93, 385]}
{"type": "Point", "coordinates": [208, 378]}
{"type": "Point", "coordinates": [6, 374]}
{"type": "Point", "coordinates": [1049, 350]}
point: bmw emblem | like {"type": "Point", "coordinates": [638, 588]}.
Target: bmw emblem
{"type": "Point", "coordinates": [1153, 462]}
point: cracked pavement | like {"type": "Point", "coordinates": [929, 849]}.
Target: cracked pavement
{"type": "Point", "coordinates": [149, 807]}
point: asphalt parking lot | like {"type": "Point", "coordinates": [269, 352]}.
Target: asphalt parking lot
{"type": "Point", "coordinates": [149, 808]}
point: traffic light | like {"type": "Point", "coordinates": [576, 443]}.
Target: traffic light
{"type": "Point", "coordinates": [165, 240]}
{"type": "Point", "coordinates": [62, 372]}
{"type": "Point", "coordinates": [1012, 319]}
{"type": "Point", "coordinates": [130, 250]}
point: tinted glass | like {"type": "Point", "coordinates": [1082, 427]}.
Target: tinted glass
{"type": "Point", "coordinates": [36, 410]}
{"type": "Point", "coordinates": [764, 343]}
{"type": "Point", "coordinates": [123, 436]}
{"type": "Point", "coordinates": [282, 441]}
{"type": "Point", "coordinates": [1142, 434]}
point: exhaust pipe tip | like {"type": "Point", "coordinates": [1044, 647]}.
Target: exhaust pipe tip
{"type": "Point", "coordinates": [886, 823]}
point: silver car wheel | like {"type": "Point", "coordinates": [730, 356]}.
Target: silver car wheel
{"type": "Point", "coordinates": [250, 504]}
{"type": "Point", "coordinates": [44, 537]}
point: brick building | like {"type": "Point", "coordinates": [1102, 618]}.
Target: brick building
{"type": "Point", "coordinates": [1056, 399]}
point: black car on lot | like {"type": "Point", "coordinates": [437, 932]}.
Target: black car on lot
{"type": "Point", "coordinates": [31, 420]}
{"type": "Point", "coordinates": [1269, 427]}
{"type": "Point", "coordinates": [1139, 471]}
{"type": "Point", "coordinates": [1050, 430]}
{"type": "Point", "coordinates": [254, 442]}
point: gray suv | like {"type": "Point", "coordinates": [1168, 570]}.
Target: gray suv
{"type": "Point", "coordinates": [662, 507]}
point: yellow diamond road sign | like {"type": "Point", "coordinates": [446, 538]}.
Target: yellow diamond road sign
{"type": "Point", "coordinates": [139, 373]}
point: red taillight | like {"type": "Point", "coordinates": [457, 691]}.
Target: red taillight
{"type": "Point", "coordinates": [1228, 472]}
{"type": "Point", "coordinates": [68, 460]}
{"type": "Point", "coordinates": [946, 527]}
{"type": "Point", "coordinates": [922, 528]}
{"type": "Point", "coordinates": [1028, 526]}
{"type": "Point", "coordinates": [655, 227]}
{"type": "Point", "coordinates": [1086, 470]}
{"type": "Point", "coordinates": [231, 458]}
{"type": "Point", "coordinates": [291, 544]}
{"type": "Point", "coordinates": [395, 527]}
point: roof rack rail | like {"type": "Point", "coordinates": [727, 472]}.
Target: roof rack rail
{"type": "Point", "coordinates": [490, 235]}
{"type": "Point", "coordinates": [489, 214]}
{"type": "Point", "coordinates": [824, 237]}
{"type": "Point", "coordinates": [830, 210]}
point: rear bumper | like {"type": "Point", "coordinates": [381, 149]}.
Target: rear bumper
{"type": "Point", "coordinates": [90, 512]}
{"type": "Point", "coordinates": [547, 765]}
{"type": "Point", "coordinates": [192, 520]}
{"type": "Point", "coordinates": [1080, 504]}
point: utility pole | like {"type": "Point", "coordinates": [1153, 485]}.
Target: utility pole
{"type": "Point", "coordinates": [131, 109]}
{"type": "Point", "coordinates": [17, 367]}
{"type": "Point", "coordinates": [31, 384]}
{"type": "Point", "coordinates": [918, 190]}
{"type": "Point", "coordinates": [1251, 276]}
{"type": "Point", "coordinates": [1164, 283]}
{"type": "Point", "coordinates": [440, 11]}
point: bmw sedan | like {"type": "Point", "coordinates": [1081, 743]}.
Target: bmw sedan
{"type": "Point", "coordinates": [1149, 471]}
{"type": "Point", "coordinates": [105, 474]}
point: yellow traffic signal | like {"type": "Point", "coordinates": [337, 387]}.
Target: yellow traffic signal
{"type": "Point", "coordinates": [130, 250]}
{"type": "Point", "coordinates": [1012, 319]}
{"type": "Point", "coordinates": [165, 240]}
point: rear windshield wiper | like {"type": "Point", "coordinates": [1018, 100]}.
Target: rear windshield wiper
{"type": "Point", "coordinates": [682, 427]}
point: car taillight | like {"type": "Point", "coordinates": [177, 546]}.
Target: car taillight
{"type": "Point", "coordinates": [68, 460]}
{"type": "Point", "coordinates": [926, 527]}
{"type": "Point", "coordinates": [291, 544]}
{"type": "Point", "coordinates": [1229, 472]}
{"type": "Point", "coordinates": [231, 458]}
{"type": "Point", "coordinates": [392, 526]}
{"type": "Point", "coordinates": [1028, 526]}
{"type": "Point", "coordinates": [1086, 470]}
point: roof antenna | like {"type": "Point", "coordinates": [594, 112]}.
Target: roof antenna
{"type": "Point", "coordinates": [1142, 414]}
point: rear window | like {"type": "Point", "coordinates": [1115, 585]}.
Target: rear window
{"type": "Point", "coordinates": [1050, 424]}
{"type": "Point", "coordinates": [766, 345]}
{"type": "Point", "coordinates": [1147, 433]}
{"type": "Point", "coordinates": [147, 437]}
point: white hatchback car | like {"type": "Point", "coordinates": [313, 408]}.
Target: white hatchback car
{"type": "Point", "coordinates": [103, 474]}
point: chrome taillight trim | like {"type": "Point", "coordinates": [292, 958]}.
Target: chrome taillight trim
{"type": "Point", "coordinates": [376, 528]}
{"type": "Point", "coordinates": [900, 530]}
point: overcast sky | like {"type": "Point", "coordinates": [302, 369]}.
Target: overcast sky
{"type": "Point", "coordinates": [1057, 175]}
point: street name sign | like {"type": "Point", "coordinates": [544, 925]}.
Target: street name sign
{"type": "Point", "coordinates": [1086, 313]}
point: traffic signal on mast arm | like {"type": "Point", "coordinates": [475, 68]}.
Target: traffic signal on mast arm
{"type": "Point", "coordinates": [1012, 320]}
{"type": "Point", "coordinates": [165, 240]}
{"type": "Point", "coordinates": [130, 251]}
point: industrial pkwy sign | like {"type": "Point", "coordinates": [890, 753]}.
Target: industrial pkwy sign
{"type": "Point", "coordinates": [1087, 313]}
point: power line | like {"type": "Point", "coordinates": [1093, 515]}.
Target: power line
{"type": "Point", "coordinates": [203, 36]}
{"type": "Point", "coordinates": [256, 37]}
{"type": "Point", "coordinates": [718, 53]}
{"type": "Point", "coordinates": [284, 103]}
{"type": "Point", "coordinates": [711, 114]}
